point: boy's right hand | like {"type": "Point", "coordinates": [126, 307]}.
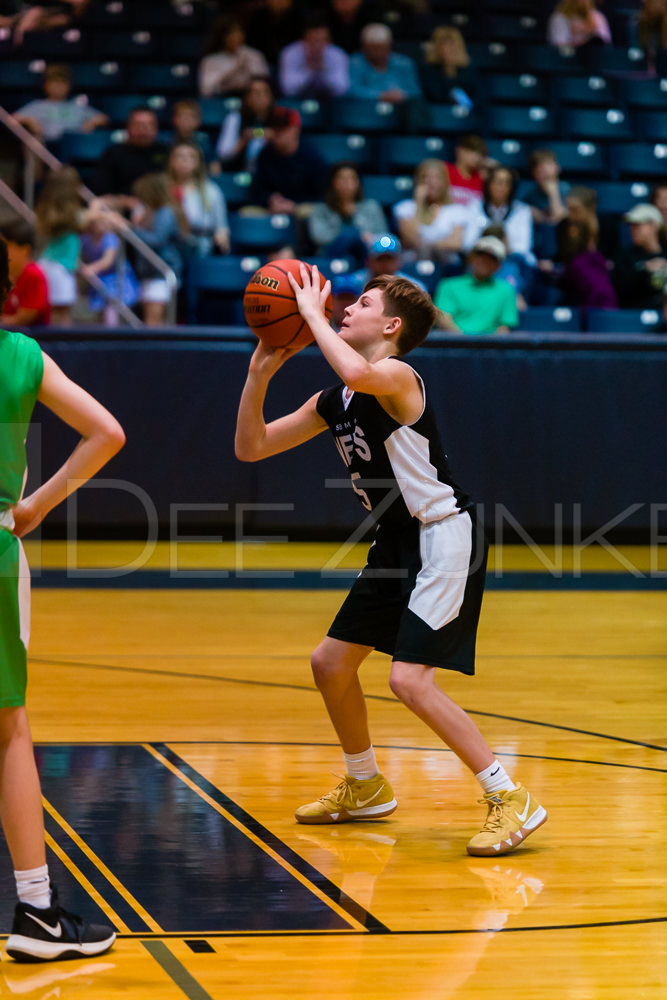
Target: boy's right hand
{"type": "Point", "coordinates": [266, 360]}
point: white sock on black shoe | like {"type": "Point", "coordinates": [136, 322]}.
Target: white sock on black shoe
{"type": "Point", "coordinates": [34, 887]}
{"type": "Point", "coordinates": [495, 778]}
{"type": "Point", "coordinates": [361, 766]}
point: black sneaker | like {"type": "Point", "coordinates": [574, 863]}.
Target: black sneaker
{"type": "Point", "coordinates": [44, 935]}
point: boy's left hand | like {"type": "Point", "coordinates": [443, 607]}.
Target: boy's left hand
{"type": "Point", "coordinates": [26, 518]}
{"type": "Point", "coordinates": [310, 298]}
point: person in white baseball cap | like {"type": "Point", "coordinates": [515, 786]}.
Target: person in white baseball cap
{"type": "Point", "coordinates": [640, 269]}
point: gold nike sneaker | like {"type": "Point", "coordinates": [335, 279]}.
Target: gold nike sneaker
{"type": "Point", "coordinates": [512, 817]}
{"type": "Point", "coordinates": [351, 799]}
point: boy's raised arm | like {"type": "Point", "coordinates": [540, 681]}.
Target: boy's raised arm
{"type": "Point", "coordinates": [101, 437]}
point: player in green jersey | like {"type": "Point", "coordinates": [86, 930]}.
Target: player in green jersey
{"type": "Point", "coordinates": [42, 929]}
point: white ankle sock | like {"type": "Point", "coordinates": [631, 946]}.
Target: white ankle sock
{"type": "Point", "coordinates": [361, 766]}
{"type": "Point", "coordinates": [495, 778]}
{"type": "Point", "coordinates": [34, 887]}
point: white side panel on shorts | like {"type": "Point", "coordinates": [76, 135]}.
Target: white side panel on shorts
{"type": "Point", "coordinates": [445, 548]}
{"type": "Point", "coordinates": [425, 496]}
{"type": "Point", "coordinates": [24, 597]}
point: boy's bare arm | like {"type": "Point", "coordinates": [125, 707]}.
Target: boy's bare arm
{"type": "Point", "coordinates": [101, 437]}
{"type": "Point", "coordinates": [255, 439]}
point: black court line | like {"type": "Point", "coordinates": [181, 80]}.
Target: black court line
{"type": "Point", "coordinates": [176, 971]}
{"type": "Point", "coordinates": [325, 885]}
{"type": "Point", "coordinates": [150, 579]}
{"type": "Point", "coordinates": [219, 679]}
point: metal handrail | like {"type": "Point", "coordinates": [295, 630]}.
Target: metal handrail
{"type": "Point", "coordinates": [36, 148]}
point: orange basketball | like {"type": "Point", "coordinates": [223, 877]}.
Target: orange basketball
{"type": "Point", "coordinates": [270, 307]}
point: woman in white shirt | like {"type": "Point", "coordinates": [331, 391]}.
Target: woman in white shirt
{"type": "Point", "coordinates": [500, 206]}
{"type": "Point", "coordinates": [229, 64]}
{"type": "Point", "coordinates": [430, 224]}
{"type": "Point", "coordinates": [202, 201]}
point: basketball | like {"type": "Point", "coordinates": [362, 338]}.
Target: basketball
{"type": "Point", "coordinates": [270, 306]}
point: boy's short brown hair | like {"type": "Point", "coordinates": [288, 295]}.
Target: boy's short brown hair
{"type": "Point", "coordinates": [474, 143]}
{"type": "Point", "coordinates": [541, 156]}
{"type": "Point", "coordinates": [58, 72]}
{"type": "Point", "coordinates": [402, 298]}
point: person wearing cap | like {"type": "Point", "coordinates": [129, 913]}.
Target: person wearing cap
{"type": "Point", "coordinates": [640, 270]}
{"type": "Point", "coordinates": [290, 174]}
{"type": "Point", "coordinates": [345, 289]}
{"type": "Point", "coordinates": [377, 73]}
{"type": "Point", "coordinates": [55, 113]}
{"type": "Point", "coordinates": [313, 67]}
{"type": "Point", "coordinates": [384, 257]}
{"type": "Point", "coordinates": [480, 301]}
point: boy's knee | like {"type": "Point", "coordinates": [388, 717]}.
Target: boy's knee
{"type": "Point", "coordinates": [326, 666]}
{"type": "Point", "coordinates": [406, 679]}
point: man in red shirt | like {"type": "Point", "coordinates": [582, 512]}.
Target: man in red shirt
{"type": "Point", "coordinates": [466, 178]}
{"type": "Point", "coordinates": [28, 302]}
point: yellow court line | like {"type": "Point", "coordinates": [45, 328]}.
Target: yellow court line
{"type": "Point", "coordinates": [356, 924]}
{"type": "Point", "coordinates": [109, 912]}
{"type": "Point", "coordinates": [99, 864]}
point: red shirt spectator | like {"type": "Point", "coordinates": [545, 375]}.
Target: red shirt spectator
{"type": "Point", "coordinates": [464, 189]}
{"type": "Point", "coordinates": [29, 292]}
{"type": "Point", "coordinates": [466, 173]}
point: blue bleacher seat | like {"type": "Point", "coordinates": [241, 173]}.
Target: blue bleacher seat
{"type": "Point", "coordinates": [353, 115]}
{"type": "Point", "coordinates": [121, 45]}
{"type": "Point", "coordinates": [175, 47]}
{"type": "Point", "coordinates": [82, 147]}
{"type": "Point", "coordinates": [21, 75]}
{"type": "Point", "coordinates": [118, 106]}
{"type": "Point", "coordinates": [261, 233]}
{"type": "Point", "coordinates": [522, 28]}
{"type": "Point", "coordinates": [214, 109]}
{"type": "Point", "coordinates": [450, 119]}
{"type": "Point", "coordinates": [607, 59]}
{"type": "Point", "coordinates": [510, 152]}
{"type": "Point", "coordinates": [525, 88]}
{"type": "Point", "coordinates": [179, 79]}
{"type": "Point", "coordinates": [586, 91]}
{"type": "Point", "coordinates": [404, 153]}
{"type": "Point", "coordinates": [313, 113]}
{"type": "Point", "coordinates": [492, 56]}
{"type": "Point", "coordinates": [616, 197]}
{"type": "Point", "coordinates": [580, 158]}
{"type": "Point", "coordinates": [653, 125]}
{"type": "Point", "coordinates": [547, 59]}
{"type": "Point", "coordinates": [185, 18]}
{"type": "Point", "coordinates": [597, 124]}
{"type": "Point", "coordinates": [215, 287]}
{"type": "Point", "coordinates": [56, 46]}
{"type": "Point", "coordinates": [330, 267]}
{"type": "Point", "coordinates": [98, 76]}
{"type": "Point", "coordinates": [550, 319]}
{"type": "Point", "coordinates": [623, 321]}
{"type": "Point", "coordinates": [335, 146]}
{"type": "Point", "coordinates": [235, 187]}
{"type": "Point", "coordinates": [429, 272]}
{"type": "Point", "coordinates": [645, 93]}
{"type": "Point", "coordinates": [638, 160]}
{"type": "Point", "coordinates": [387, 189]}
{"type": "Point", "coordinates": [518, 122]}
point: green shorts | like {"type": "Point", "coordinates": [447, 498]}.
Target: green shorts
{"type": "Point", "coordinates": [14, 620]}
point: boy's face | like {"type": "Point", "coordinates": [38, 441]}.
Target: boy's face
{"type": "Point", "coordinates": [56, 88]}
{"type": "Point", "coordinates": [19, 255]}
{"type": "Point", "coordinates": [469, 159]}
{"type": "Point", "coordinates": [186, 121]}
{"type": "Point", "coordinates": [545, 171]}
{"type": "Point", "coordinates": [364, 321]}
{"type": "Point", "coordinates": [483, 265]}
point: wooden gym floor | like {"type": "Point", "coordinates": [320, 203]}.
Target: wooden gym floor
{"type": "Point", "coordinates": [177, 727]}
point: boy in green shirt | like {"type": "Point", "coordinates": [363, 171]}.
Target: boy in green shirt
{"type": "Point", "coordinates": [479, 302]}
{"type": "Point", "coordinates": [42, 929]}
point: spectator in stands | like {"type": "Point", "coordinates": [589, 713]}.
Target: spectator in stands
{"type": "Point", "coordinates": [345, 289]}
{"type": "Point", "coordinates": [55, 113]}
{"type": "Point", "coordinates": [466, 173]}
{"type": "Point", "coordinates": [586, 277]}
{"type": "Point", "coordinates": [28, 302]}
{"type": "Point", "coordinates": [500, 205]}
{"type": "Point", "coordinates": [123, 163]}
{"type": "Point", "coordinates": [509, 270]}
{"type": "Point", "coordinates": [244, 132]}
{"type": "Point", "coordinates": [582, 208]}
{"type": "Point", "coordinates": [576, 23]}
{"type": "Point", "coordinates": [45, 16]}
{"type": "Point", "coordinates": [290, 172]}
{"type": "Point", "coordinates": [659, 199]}
{"type": "Point", "coordinates": [186, 122]}
{"type": "Point", "coordinates": [430, 223]}
{"type": "Point", "coordinates": [652, 30]}
{"type": "Point", "coordinates": [346, 20]}
{"type": "Point", "coordinates": [202, 201]}
{"type": "Point", "coordinates": [229, 64]}
{"type": "Point", "coordinates": [345, 223]}
{"type": "Point", "coordinates": [385, 256]}
{"type": "Point", "coordinates": [479, 302]}
{"type": "Point", "coordinates": [59, 212]}
{"type": "Point", "coordinates": [377, 73]}
{"type": "Point", "coordinates": [446, 77]}
{"type": "Point", "coordinates": [313, 67]}
{"type": "Point", "coordinates": [546, 196]}
{"type": "Point", "coordinates": [100, 252]}
{"type": "Point", "coordinates": [272, 26]}
{"type": "Point", "coordinates": [640, 270]}
{"type": "Point", "coordinates": [159, 221]}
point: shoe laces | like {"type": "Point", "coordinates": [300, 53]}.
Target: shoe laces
{"type": "Point", "coordinates": [337, 795]}
{"type": "Point", "coordinates": [495, 815]}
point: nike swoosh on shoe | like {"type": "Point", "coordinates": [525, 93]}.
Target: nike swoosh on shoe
{"type": "Point", "coordinates": [360, 803]}
{"type": "Point", "coordinates": [55, 932]}
{"type": "Point", "coordinates": [523, 816]}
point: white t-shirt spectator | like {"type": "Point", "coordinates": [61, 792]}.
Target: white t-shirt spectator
{"type": "Point", "coordinates": [518, 223]}
{"type": "Point", "coordinates": [445, 222]}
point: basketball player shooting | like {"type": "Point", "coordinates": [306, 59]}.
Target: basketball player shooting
{"type": "Point", "coordinates": [419, 596]}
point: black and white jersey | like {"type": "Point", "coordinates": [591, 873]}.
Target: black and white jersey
{"type": "Point", "coordinates": [398, 471]}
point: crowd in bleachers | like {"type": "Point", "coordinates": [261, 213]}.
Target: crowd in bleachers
{"type": "Point", "coordinates": [512, 158]}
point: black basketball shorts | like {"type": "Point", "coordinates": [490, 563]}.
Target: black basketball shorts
{"type": "Point", "coordinates": [420, 594]}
